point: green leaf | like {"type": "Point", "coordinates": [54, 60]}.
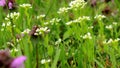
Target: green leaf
{"type": "Point", "coordinates": [67, 34]}
{"type": "Point", "coordinates": [50, 50]}
{"type": "Point", "coordinates": [56, 58]}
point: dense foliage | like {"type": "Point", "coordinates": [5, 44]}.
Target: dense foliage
{"type": "Point", "coordinates": [60, 33]}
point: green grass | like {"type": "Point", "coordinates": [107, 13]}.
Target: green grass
{"type": "Point", "coordinates": [65, 45]}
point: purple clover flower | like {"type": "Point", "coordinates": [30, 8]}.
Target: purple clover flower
{"type": "Point", "coordinates": [9, 3]}
{"type": "Point", "coordinates": [6, 61]}
{"type": "Point", "coordinates": [2, 3]}
{"type": "Point", "coordinates": [18, 62]}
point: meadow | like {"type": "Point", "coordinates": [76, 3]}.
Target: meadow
{"type": "Point", "coordinates": [59, 34]}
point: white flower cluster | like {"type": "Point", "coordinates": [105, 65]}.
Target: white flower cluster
{"type": "Point", "coordinates": [84, 18]}
{"type": "Point", "coordinates": [41, 30]}
{"type": "Point", "coordinates": [87, 36]}
{"type": "Point", "coordinates": [18, 40]}
{"type": "Point", "coordinates": [8, 18]}
{"type": "Point", "coordinates": [109, 27]}
{"type": "Point", "coordinates": [3, 24]}
{"type": "Point", "coordinates": [40, 16]}
{"type": "Point", "coordinates": [73, 5]}
{"type": "Point", "coordinates": [26, 31]}
{"type": "Point", "coordinates": [99, 17]}
{"type": "Point", "coordinates": [13, 16]}
{"type": "Point", "coordinates": [26, 6]}
{"type": "Point", "coordinates": [43, 61]}
{"type": "Point", "coordinates": [80, 19]}
{"type": "Point", "coordinates": [111, 41]}
{"type": "Point", "coordinates": [91, 27]}
{"type": "Point", "coordinates": [77, 4]}
{"type": "Point", "coordinates": [58, 42]}
{"type": "Point", "coordinates": [63, 10]}
{"type": "Point", "coordinates": [115, 23]}
{"type": "Point", "coordinates": [14, 50]}
{"type": "Point", "coordinates": [53, 21]}
{"type": "Point", "coordinates": [10, 43]}
{"type": "Point", "coordinates": [6, 24]}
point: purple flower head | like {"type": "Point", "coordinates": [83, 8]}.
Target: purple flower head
{"type": "Point", "coordinates": [2, 3]}
{"type": "Point", "coordinates": [5, 59]}
{"type": "Point", "coordinates": [10, 5]}
{"type": "Point", "coordinates": [18, 62]}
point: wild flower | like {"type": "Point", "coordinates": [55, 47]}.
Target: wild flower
{"type": "Point", "coordinates": [78, 20]}
{"type": "Point", "coordinates": [53, 21]}
{"type": "Point", "coordinates": [77, 4]}
{"type": "Point", "coordinates": [46, 23]}
{"type": "Point", "coordinates": [9, 3]}
{"type": "Point", "coordinates": [69, 23]}
{"type": "Point", "coordinates": [41, 16]}
{"type": "Point", "coordinates": [18, 62]}
{"type": "Point", "coordinates": [14, 50]}
{"type": "Point", "coordinates": [18, 40]}
{"type": "Point", "coordinates": [26, 6]}
{"type": "Point", "coordinates": [91, 27]}
{"type": "Point", "coordinates": [93, 3]}
{"type": "Point", "coordinates": [109, 27]}
{"type": "Point", "coordinates": [14, 26]}
{"type": "Point", "coordinates": [13, 16]}
{"type": "Point", "coordinates": [33, 31]}
{"type": "Point", "coordinates": [8, 23]}
{"type": "Point", "coordinates": [116, 40]}
{"type": "Point", "coordinates": [84, 18]}
{"type": "Point", "coordinates": [115, 23]}
{"type": "Point", "coordinates": [10, 44]}
{"type": "Point", "coordinates": [6, 61]}
{"type": "Point", "coordinates": [87, 36]}
{"type": "Point", "coordinates": [26, 31]}
{"type": "Point", "coordinates": [41, 30]}
{"type": "Point", "coordinates": [111, 41]}
{"type": "Point", "coordinates": [99, 17]}
{"type": "Point", "coordinates": [3, 24]}
{"type": "Point", "coordinates": [63, 10]}
{"type": "Point", "coordinates": [58, 42]}
{"type": "Point", "coordinates": [2, 2]}
{"type": "Point", "coordinates": [107, 10]}
{"type": "Point", "coordinates": [44, 61]}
